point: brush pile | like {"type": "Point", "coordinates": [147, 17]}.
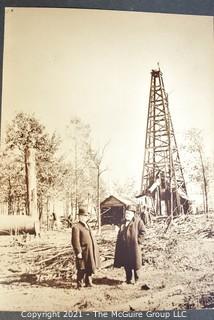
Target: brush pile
{"type": "Point", "coordinates": [176, 249]}
{"type": "Point", "coordinates": [36, 260]}
{"type": "Point", "coordinates": [51, 258]}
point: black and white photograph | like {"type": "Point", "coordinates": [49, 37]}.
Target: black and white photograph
{"type": "Point", "coordinates": [106, 161]}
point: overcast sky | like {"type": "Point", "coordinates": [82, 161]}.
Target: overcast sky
{"type": "Point", "coordinates": [60, 63]}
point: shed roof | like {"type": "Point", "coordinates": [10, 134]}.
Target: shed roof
{"type": "Point", "coordinates": [117, 201]}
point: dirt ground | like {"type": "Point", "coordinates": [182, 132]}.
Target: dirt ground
{"type": "Point", "coordinates": [177, 271]}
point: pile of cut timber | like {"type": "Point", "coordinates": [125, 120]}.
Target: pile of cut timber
{"type": "Point", "coordinates": [51, 257]}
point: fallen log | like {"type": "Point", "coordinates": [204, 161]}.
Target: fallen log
{"type": "Point", "coordinates": [14, 225]}
{"type": "Point", "coordinates": [49, 260]}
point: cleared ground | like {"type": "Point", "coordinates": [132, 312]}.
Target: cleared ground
{"type": "Point", "coordinates": [177, 271]}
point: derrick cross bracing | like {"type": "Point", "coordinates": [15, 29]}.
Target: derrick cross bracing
{"type": "Point", "coordinates": [162, 177]}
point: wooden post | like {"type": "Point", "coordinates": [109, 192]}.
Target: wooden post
{"type": "Point", "coordinates": [98, 201]}
{"type": "Point", "coordinates": [10, 210]}
{"type": "Point", "coordinates": [76, 181]}
{"type": "Point", "coordinates": [47, 212]}
{"type": "Point", "coordinates": [67, 201]}
{"type": "Point", "coordinates": [26, 182]}
{"type": "Point", "coordinates": [32, 186]}
{"type": "Point", "coordinates": [204, 188]}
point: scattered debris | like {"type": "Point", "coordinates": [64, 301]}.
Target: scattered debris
{"type": "Point", "coordinates": [145, 287]}
{"type": "Point", "coordinates": [177, 267]}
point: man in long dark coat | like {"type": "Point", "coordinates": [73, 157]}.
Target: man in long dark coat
{"type": "Point", "coordinates": [128, 251]}
{"type": "Point", "coordinates": [85, 248]}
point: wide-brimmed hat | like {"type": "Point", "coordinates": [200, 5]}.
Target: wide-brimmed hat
{"type": "Point", "coordinates": [82, 212]}
{"type": "Point", "coordinates": [131, 207]}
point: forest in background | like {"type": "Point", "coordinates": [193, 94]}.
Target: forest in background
{"type": "Point", "coordinates": [75, 178]}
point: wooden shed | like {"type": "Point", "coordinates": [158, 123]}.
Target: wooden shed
{"type": "Point", "coordinates": [113, 210]}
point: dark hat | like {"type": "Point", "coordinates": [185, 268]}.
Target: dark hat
{"type": "Point", "coordinates": [131, 207]}
{"type": "Point", "coordinates": [82, 212]}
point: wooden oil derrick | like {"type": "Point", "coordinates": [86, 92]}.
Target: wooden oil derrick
{"type": "Point", "coordinates": [162, 178]}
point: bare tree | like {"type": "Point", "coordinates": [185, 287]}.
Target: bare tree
{"type": "Point", "coordinates": [79, 135]}
{"type": "Point", "coordinates": [127, 189]}
{"type": "Point", "coordinates": [96, 157]}
{"type": "Point", "coordinates": [198, 165]}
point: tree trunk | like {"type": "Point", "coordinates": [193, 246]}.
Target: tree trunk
{"type": "Point", "coordinates": [98, 202]}
{"type": "Point", "coordinates": [10, 210]}
{"type": "Point", "coordinates": [203, 196]}
{"type": "Point", "coordinates": [76, 184]}
{"type": "Point", "coordinates": [67, 200]}
{"type": "Point", "coordinates": [204, 184]}
{"type": "Point", "coordinates": [48, 213]}
{"type": "Point", "coordinates": [40, 210]}
{"type": "Point", "coordinates": [30, 164]}
{"type": "Point", "coordinates": [73, 207]}
{"type": "Point", "coordinates": [26, 182]}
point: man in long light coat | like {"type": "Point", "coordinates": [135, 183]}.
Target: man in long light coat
{"type": "Point", "coordinates": [86, 250]}
{"type": "Point", "coordinates": [128, 251]}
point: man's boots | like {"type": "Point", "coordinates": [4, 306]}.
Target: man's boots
{"type": "Point", "coordinates": [88, 281]}
{"type": "Point", "coordinates": [80, 277]}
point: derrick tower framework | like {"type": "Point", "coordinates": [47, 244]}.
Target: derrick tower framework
{"type": "Point", "coordinates": [162, 177]}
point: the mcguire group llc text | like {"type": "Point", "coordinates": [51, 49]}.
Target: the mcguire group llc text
{"type": "Point", "coordinates": [141, 314]}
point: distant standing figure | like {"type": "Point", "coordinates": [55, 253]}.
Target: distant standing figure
{"type": "Point", "coordinates": [69, 221]}
{"type": "Point", "coordinates": [128, 251]}
{"type": "Point", "coordinates": [146, 216]}
{"type": "Point", "coordinates": [53, 220]}
{"type": "Point", "coordinates": [86, 250]}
